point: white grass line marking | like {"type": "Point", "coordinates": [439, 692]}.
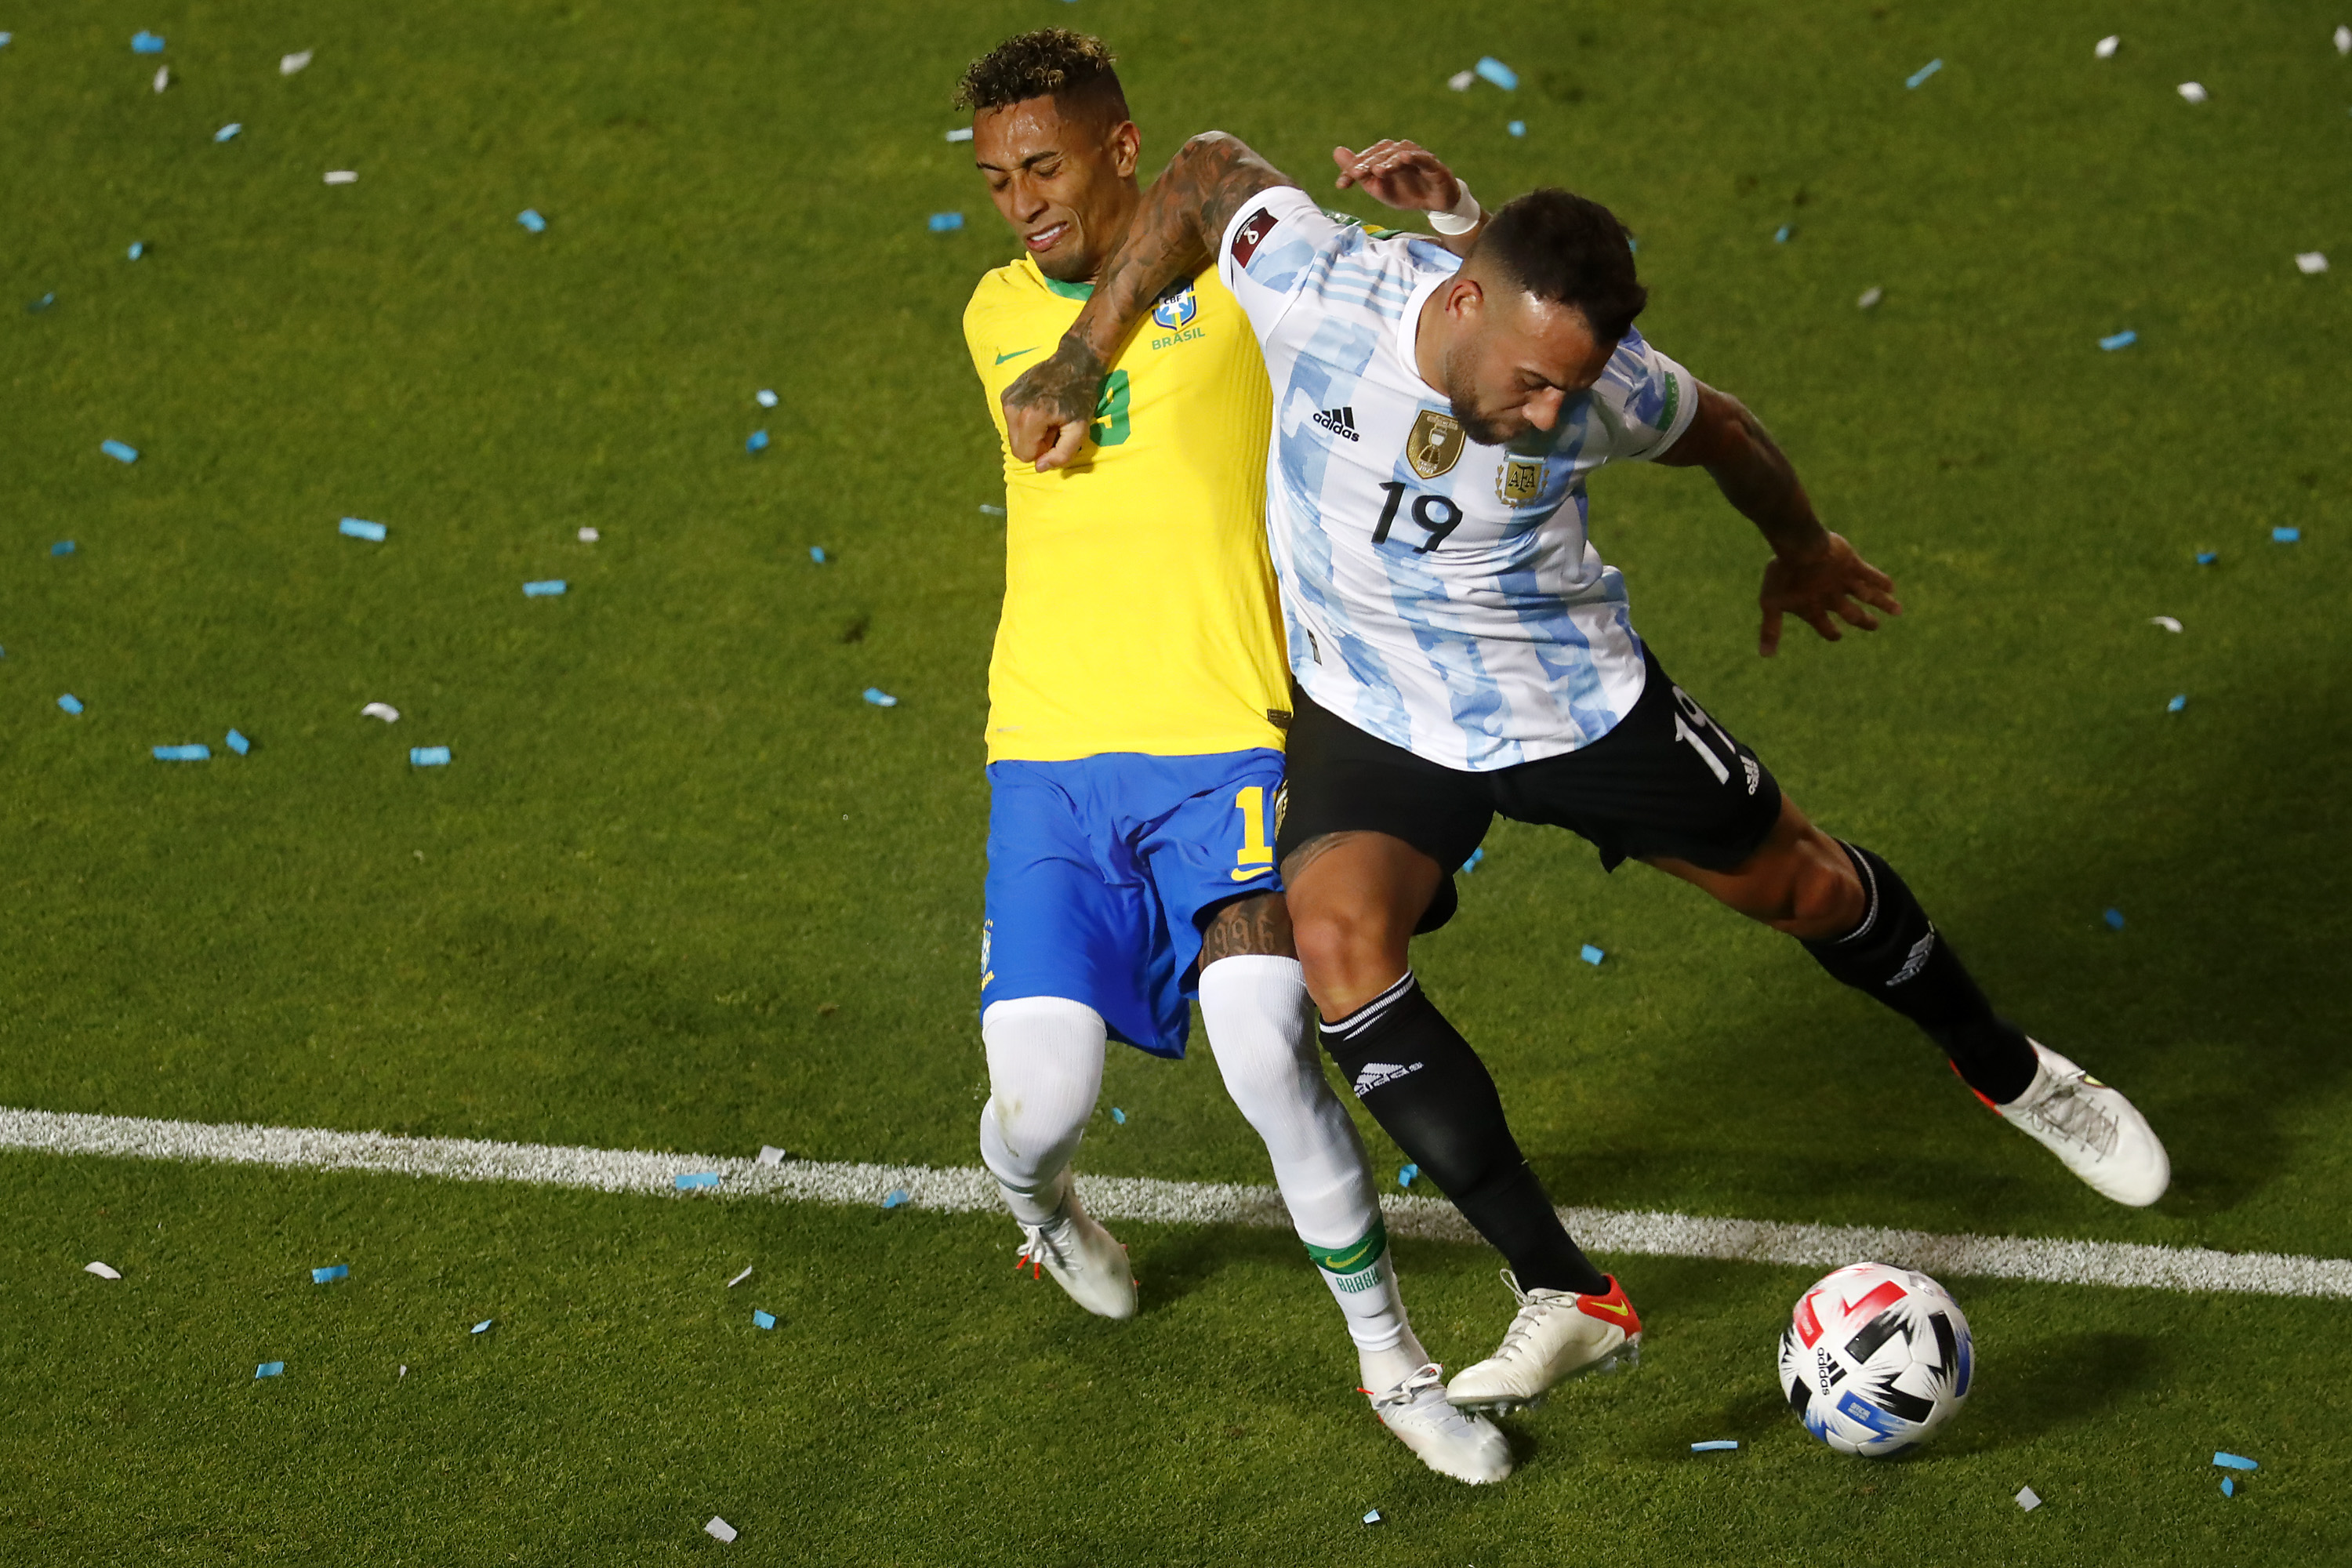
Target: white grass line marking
{"type": "Point", "coordinates": [969, 1190]}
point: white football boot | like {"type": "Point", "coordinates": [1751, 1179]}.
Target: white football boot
{"type": "Point", "coordinates": [2098, 1132]}
{"type": "Point", "coordinates": [1466, 1447]}
{"type": "Point", "coordinates": [1557, 1335]}
{"type": "Point", "coordinates": [1082, 1257]}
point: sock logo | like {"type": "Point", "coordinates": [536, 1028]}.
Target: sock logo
{"type": "Point", "coordinates": [1375, 1074]}
{"type": "Point", "coordinates": [1340, 422]}
{"type": "Point", "coordinates": [1915, 961]}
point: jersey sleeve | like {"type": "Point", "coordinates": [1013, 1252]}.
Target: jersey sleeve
{"type": "Point", "coordinates": [1266, 253]}
{"type": "Point", "coordinates": [1646, 401]}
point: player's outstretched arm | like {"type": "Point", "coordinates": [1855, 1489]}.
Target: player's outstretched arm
{"type": "Point", "coordinates": [1814, 573]}
{"type": "Point", "coordinates": [1174, 234]}
{"type": "Point", "coordinates": [1411, 178]}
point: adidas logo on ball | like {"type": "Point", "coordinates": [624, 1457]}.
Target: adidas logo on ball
{"type": "Point", "coordinates": [1340, 422]}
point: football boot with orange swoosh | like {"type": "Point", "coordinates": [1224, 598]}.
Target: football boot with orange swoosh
{"type": "Point", "coordinates": [1556, 1335]}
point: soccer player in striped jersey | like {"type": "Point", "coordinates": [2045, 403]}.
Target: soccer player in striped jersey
{"type": "Point", "coordinates": [1461, 649]}
{"type": "Point", "coordinates": [1137, 703]}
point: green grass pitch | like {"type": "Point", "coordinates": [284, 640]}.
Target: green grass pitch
{"type": "Point", "coordinates": [681, 889]}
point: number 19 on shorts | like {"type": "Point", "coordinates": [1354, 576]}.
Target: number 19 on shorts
{"type": "Point", "coordinates": [1256, 856]}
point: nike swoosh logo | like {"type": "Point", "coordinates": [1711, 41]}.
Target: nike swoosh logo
{"type": "Point", "coordinates": [1016, 353]}
{"type": "Point", "coordinates": [1605, 1307]}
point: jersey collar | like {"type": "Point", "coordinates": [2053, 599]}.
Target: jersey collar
{"type": "Point", "coordinates": [1405, 340]}
{"type": "Point", "coordinates": [1067, 290]}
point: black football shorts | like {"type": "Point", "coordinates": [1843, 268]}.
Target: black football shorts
{"type": "Point", "coordinates": [1668, 781]}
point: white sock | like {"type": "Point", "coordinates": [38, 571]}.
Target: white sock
{"type": "Point", "coordinates": [1256, 1009]}
{"type": "Point", "coordinates": [1044, 1071]}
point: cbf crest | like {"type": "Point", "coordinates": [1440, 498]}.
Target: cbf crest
{"type": "Point", "coordinates": [1177, 307]}
{"type": "Point", "coordinates": [1520, 481]}
{"type": "Point", "coordinates": [1435, 444]}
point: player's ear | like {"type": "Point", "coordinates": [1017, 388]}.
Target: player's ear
{"type": "Point", "coordinates": [1126, 148]}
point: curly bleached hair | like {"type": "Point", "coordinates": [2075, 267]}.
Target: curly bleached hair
{"type": "Point", "coordinates": [1072, 68]}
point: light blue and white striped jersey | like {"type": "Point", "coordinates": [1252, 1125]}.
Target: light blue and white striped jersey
{"type": "Point", "coordinates": [1437, 594]}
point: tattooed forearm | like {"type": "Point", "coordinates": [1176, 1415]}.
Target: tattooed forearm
{"type": "Point", "coordinates": [1259, 925]}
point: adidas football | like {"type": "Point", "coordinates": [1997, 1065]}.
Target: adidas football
{"type": "Point", "coordinates": [1874, 1358]}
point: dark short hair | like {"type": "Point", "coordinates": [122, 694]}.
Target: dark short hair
{"type": "Point", "coordinates": [1072, 68]}
{"type": "Point", "coordinates": [1560, 246]}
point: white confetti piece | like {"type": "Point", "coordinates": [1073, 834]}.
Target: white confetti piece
{"type": "Point", "coordinates": [960, 134]}
{"type": "Point", "coordinates": [342, 177]}
{"type": "Point", "coordinates": [2026, 1498]}
{"type": "Point", "coordinates": [721, 1529]}
{"type": "Point", "coordinates": [1870, 298]}
{"type": "Point", "coordinates": [739, 1278]}
{"type": "Point", "coordinates": [102, 1270]}
{"type": "Point", "coordinates": [163, 78]}
{"type": "Point", "coordinates": [589, 536]}
{"type": "Point", "coordinates": [771, 1155]}
{"type": "Point", "coordinates": [1460, 80]}
{"type": "Point", "coordinates": [2106, 47]}
{"type": "Point", "coordinates": [2191, 91]}
{"type": "Point", "coordinates": [765, 397]}
{"type": "Point", "coordinates": [383, 710]}
{"type": "Point", "coordinates": [2167, 622]}
{"type": "Point", "coordinates": [2344, 40]}
{"type": "Point", "coordinates": [404, 1372]}
{"type": "Point", "coordinates": [289, 64]}
{"type": "Point", "coordinates": [483, 1326]}
{"type": "Point", "coordinates": [2310, 263]}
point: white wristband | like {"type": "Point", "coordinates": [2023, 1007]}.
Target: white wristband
{"type": "Point", "coordinates": [1465, 215]}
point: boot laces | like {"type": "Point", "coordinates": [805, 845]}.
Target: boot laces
{"type": "Point", "coordinates": [1430, 1377]}
{"type": "Point", "coordinates": [2075, 1115]}
{"type": "Point", "coordinates": [1532, 1314]}
{"type": "Point", "coordinates": [1039, 1253]}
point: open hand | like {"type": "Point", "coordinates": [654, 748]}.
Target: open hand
{"type": "Point", "coordinates": [1048, 410]}
{"type": "Point", "coordinates": [1400, 174]}
{"type": "Point", "coordinates": [1831, 581]}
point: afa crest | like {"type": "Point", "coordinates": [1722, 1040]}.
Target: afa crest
{"type": "Point", "coordinates": [1177, 307]}
{"type": "Point", "coordinates": [1520, 481]}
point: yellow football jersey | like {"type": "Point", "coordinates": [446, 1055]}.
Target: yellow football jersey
{"type": "Point", "coordinates": [1139, 607]}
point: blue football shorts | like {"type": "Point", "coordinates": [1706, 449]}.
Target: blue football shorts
{"type": "Point", "coordinates": [1103, 870]}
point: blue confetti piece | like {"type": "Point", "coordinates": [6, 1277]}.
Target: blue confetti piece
{"type": "Point", "coordinates": [62, 547]}
{"type": "Point", "coordinates": [1118, 1116]}
{"type": "Point", "coordinates": [756, 442]}
{"type": "Point", "coordinates": [1405, 1174]}
{"type": "Point", "coordinates": [2207, 557]}
{"type": "Point", "coordinates": [894, 1197]}
{"type": "Point", "coordinates": [1717, 1446]}
{"type": "Point", "coordinates": [2178, 703]}
{"type": "Point", "coordinates": [545, 588]}
{"type": "Point", "coordinates": [138, 249]}
{"type": "Point", "coordinates": [2114, 918]}
{"type": "Point", "coordinates": [483, 1326]}
{"type": "Point", "coordinates": [1372, 1516]}
{"type": "Point", "coordinates": [764, 1319]}
{"type": "Point", "coordinates": [145, 42]}
{"type": "Point", "coordinates": [428, 756]}
{"type": "Point", "coordinates": [1495, 71]}
{"type": "Point", "coordinates": [332, 1272]}
{"type": "Point", "coordinates": [1472, 864]}
{"type": "Point", "coordinates": [184, 753]}
{"type": "Point", "coordinates": [69, 702]}
{"type": "Point", "coordinates": [359, 528]}
{"type": "Point", "coordinates": [238, 744]}
{"type": "Point", "coordinates": [1516, 128]}
{"type": "Point", "coordinates": [34, 307]}
{"type": "Point", "coordinates": [121, 451]}
{"type": "Point", "coordinates": [2285, 535]}
{"type": "Point", "coordinates": [529, 218]}
{"type": "Point", "coordinates": [879, 698]}
{"type": "Point", "coordinates": [1590, 953]}
{"type": "Point", "coordinates": [2235, 1462]}
{"type": "Point", "coordinates": [2229, 1487]}
{"type": "Point", "coordinates": [816, 553]}
{"type": "Point", "coordinates": [691, 1180]}
{"type": "Point", "coordinates": [1923, 73]}
{"type": "Point", "coordinates": [1781, 234]}
{"type": "Point", "coordinates": [6, 38]}
{"type": "Point", "coordinates": [227, 132]}
{"type": "Point", "coordinates": [271, 1369]}
{"type": "Point", "coordinates": [946, 223]}
{"type": "Point", "coordinates": [2119, 341]}
{"type": "Point", "coordinates": [764, 398]}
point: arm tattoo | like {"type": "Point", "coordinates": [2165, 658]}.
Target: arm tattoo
{"type": "Point", "coordinates": [1174, 237]}
{"type": "Point", "coordinates": [1259, 925]}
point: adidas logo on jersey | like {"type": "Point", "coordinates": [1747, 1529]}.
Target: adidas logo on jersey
{"type": "Point", "coordinates": [1340, 422]}
{"type": "Point", "coordinates": [1375, 1074]}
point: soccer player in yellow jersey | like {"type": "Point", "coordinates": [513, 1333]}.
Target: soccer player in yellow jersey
{"type": "Point", "coordinates": [1138, 695]}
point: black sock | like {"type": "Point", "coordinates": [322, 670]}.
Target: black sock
{"type": "Point", "coordinates": [1897, 955]}
{"type": "Point", "coordinates": [1421, 1081]}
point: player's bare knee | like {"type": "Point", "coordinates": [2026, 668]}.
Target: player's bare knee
{"type": "Point", "coordinates": [1825, 897]}
{"type": "Point", "coordinates": [1346, 955]}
